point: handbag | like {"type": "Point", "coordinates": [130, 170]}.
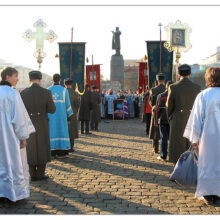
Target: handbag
{"type": "Point", "coordinates": [185, 170]}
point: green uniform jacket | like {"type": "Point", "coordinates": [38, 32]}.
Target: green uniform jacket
{"type": "Point", "coordinates": [75, 103]}
{"type": "Point", "coordinates": [154, 132]}
{"type": "Point", "coordinates": [96, 113]}
{"type": "Point", "coordinates": [38, 102]}
{"type": "Point", "coordinates": [181, 96]}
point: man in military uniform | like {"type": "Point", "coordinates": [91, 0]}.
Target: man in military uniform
{"type": "Point", "coordinates": [75, 103]}
{"type": "Point", "coordinates": [85, 108]}
{"type": "Point", "coordinates": [154, 133]}
{"type": "Point", "coordinates": [181, 96]}
{"type": "Point", "coordinates": [96, 113]}
{"type": "Point", "coordinates": [38, 102]}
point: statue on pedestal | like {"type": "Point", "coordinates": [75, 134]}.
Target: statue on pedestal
{"type": "Point", "coordinates": [116, 41]}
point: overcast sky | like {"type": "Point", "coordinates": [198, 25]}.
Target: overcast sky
{"type": "Point", "coordinates": [93, 25]}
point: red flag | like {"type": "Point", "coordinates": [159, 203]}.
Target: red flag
{"type": "Point", "coordinates": [93, 75]}
{"type": "Point", "coordinates": [142, 77]}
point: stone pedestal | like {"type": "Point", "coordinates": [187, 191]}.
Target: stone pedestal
{"type": "Point", "coordinates": [117, 69]}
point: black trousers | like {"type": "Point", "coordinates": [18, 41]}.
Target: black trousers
{"type": "Point", "coordinates": [147, 121]}
{"type": "Point", "coordinates": [59, 152]}
{"type": "Point", "coordinates": [94, 125]}
{"type": "Point", "coordinates": [37, 171]}
{"type": "Point", "coordinates": [87, 126]}
{"type": "Point", "coordinates": [155, 144]}
{"type": "Point", "coordinates": [164, 132]}
{"type": "Point", "coordinates": [72, 143]}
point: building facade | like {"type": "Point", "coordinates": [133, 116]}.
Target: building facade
{"type": "Point", "coordinates": [23, 76]}
{"type": "Point", "coordinates": [131, 68]}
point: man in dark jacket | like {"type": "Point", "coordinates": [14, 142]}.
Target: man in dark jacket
{"type": "Point", "coordinates": [96, 113]}
{"type": "Point", "coordinates": [162, 122]}
{"type": "Point", "coordinates": [181, 96]}
{"type": "Point", "coordinates": [73, 122]}
{"type": "Point", "coordinates": [38, 102]}
{"type": "Point", "coordinates": [154, 133]}
{"type": "Point", "coordinates": [85, 108]}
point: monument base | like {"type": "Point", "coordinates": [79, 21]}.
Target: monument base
{"type": "Point", "coordinates": [117, 69]}
{"type": "Point", "coordinates": [114, 85]}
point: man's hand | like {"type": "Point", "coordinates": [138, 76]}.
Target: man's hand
{"type": "Point", "coordinates": [23, 143]}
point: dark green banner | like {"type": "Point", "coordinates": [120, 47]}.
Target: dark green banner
{"type": "Point", "coordinates": [153, 54]}
{"type": "Point", "coordinates": [78, 63]}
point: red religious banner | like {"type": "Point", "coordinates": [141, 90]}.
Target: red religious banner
{"type": "Point", "coordinates": [142, 77]}
{"type": "Point", "coordinates": [93, 75]}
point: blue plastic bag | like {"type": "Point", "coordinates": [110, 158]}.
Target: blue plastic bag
{"type": "Point", "coordinates": [185, 170]}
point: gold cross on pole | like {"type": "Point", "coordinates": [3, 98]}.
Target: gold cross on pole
{"type": "Point", "coordinates": [39, 36]}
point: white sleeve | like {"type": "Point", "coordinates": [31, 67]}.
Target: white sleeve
{"type": "Point", "coordinates": [21, 121]}
{"type": "Point", "coordinates": [194, 125]}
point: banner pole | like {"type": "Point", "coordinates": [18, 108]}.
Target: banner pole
{"type": "Point", "coordinates": [71, 53]}
{"type": "Point", "coordinates": [92, 72]}
{"type": "Point", "coordinates": [160, 47]}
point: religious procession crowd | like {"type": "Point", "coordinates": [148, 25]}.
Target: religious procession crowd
{"type": "Point", "coordinates": [122, 103]}
{"type": "Point", "coordinates": [42, 123]}
{"type": "Point", "coordinates": [180, 117]}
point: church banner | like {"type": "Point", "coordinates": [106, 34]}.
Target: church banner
{"type": "Point", "coordinates": [78, 63]}
{"type": "Point", "coordinates": [153, 53]}
{"type": "Point", "coordinates": [93, 75]}
{"type": "Point", "coordinates": [142, 77]}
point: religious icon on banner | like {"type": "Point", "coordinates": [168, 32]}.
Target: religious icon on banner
{"type": "Point", "coordinates": [178, 37]}
{"type": "Point", "coordinates": [92, 76]}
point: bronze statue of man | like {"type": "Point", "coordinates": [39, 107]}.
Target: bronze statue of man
{"type": "Point", "coordinates": [116, 41]}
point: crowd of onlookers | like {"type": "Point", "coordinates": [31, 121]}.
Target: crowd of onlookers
{"type": "Point", "coordinates": [132, 101]}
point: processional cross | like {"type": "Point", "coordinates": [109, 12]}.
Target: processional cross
{"type": "Point", "coordinates": [39, 36]}
{"type": "Point", "coordinates": [160, 25]}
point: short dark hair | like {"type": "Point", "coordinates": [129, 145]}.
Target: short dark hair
{"type": "Point", "coordinates": [9, 71]}
{"type": "Point", "coordinates": [56, 77]}
{"type": "Point", "coordinates": [184, 70]}
{"type": "Point", "coordinates": [212, 77]}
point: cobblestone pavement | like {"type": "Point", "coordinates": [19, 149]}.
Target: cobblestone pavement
{"type": "Point", "coordinates": [113, 171]}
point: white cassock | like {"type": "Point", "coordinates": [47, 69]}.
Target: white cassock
{"type": "Point", "coordinates": [204, 126]}
{"type": "Point", "coordinates": [15, 125]}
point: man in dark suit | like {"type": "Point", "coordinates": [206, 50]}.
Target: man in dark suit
{"type": "Point", "coordinates": [181, 96]}
{"type": "Point", "coordinates": [73, 122]}
{"type": "Point", "coordinates": [38, 102]}
{"type": "Point", "coordinates": [154, 133]}
{"type": "Point", "coordinates": [96, 113]}
{"type": "Point", "coordinates": [85, 108]}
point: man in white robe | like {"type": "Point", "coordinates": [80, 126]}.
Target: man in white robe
{"type": "Point", "coordinates": [203, 130]}
{"type": "Point", "coordinates": [15, 128]}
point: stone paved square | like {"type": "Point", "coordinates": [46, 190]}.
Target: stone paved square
{"type": "Point", "coordinates": [113, 171]}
